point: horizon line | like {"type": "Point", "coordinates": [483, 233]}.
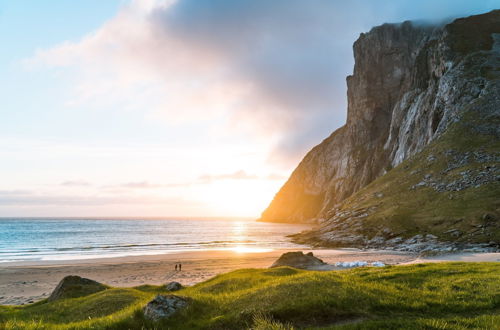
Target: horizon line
{"type": "Point", "coordinates": [130, 217]}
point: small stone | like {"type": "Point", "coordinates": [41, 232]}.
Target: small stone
{"type": "Point", "coordinates": [488, 217]}
{"type": "Point", "coordinates": [453, 232]}
{"type": "Point", "coordinates": [386, 231]}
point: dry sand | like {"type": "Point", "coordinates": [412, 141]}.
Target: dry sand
{"type": "Point", "coordinates": [31, 281]}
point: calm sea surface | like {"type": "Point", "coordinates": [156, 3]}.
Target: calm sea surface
{"type": "Point", "coordinates": [68, 239]}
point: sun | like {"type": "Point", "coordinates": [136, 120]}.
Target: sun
{"type": "Point", "coordinates": [247, 198]}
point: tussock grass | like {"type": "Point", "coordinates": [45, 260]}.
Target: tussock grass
{"type": "Point", "coordinates": [425, 296]}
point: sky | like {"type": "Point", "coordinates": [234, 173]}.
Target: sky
{"type": "Point", "coordinates": [192, 108]}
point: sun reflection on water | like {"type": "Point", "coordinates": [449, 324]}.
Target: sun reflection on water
{"type": "Point", "coordinates": [239, 233]}
{"type": "Point", "coordinates": [248, 249]}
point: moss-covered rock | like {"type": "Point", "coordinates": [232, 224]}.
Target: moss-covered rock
{"type": "Point", "coordinates": [75, 286]}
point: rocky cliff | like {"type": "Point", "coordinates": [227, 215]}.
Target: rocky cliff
{"type": "Point", "coordinates": [416, 90]}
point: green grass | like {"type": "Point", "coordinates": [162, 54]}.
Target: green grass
{"type": "Point", "coordinates": [407, 212]}
{"type": "Point", "coordinates": [426, 296]}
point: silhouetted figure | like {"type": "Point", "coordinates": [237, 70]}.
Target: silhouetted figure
{"type": "Point", "coordinates": [180, 267]}
{"type": "Point", "coordinates": [176, 267]}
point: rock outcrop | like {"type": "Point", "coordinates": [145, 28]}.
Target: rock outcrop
{"type": "Point", "coordinates": [75, 286]}
{"type": "Point", "coordinates": [163, 307]}
{"type": "Point", "coordinates": [173, 286]}
{"type": "Point", "coordinates": [298, 260]}
{"type": "Point", "coordinates": [411, 86]}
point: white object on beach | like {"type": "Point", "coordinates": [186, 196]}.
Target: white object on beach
{"type": "Point", "coordinates": [351, 264]}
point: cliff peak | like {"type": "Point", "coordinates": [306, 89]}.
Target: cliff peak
{"type": "Point", "coordinates": [411, 84]}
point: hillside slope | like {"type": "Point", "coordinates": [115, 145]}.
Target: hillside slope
{"type": "Point", "coordinates": [417, 93]}
{"type": "Point", "coordinates": [444, 296]}
{"type": "Point", "coordinates": [445, 198]}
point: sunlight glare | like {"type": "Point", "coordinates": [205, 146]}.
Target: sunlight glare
{"type": "Point", "coordinates": [247, 249]}
{"type": "Point", "coordinates": [240, 198]}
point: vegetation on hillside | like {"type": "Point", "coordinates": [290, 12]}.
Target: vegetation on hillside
{"type": "Point", "coordinates": [423, 296]}
{"type": "Point", "coordinates": [450, 190]}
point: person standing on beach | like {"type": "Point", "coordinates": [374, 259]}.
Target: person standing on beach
{"type": "Point", "coordinates": [175, 267]}
{"type": "Point", "coordinates": [180, 267]}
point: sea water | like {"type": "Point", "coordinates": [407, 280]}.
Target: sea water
{"type": "Point", "coordinates": [33, 239]}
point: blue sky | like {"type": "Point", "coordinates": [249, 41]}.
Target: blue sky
{"type": "Point", "coordinates": [174, 108]}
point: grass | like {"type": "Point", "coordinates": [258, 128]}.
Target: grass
{"type": "Point", "coordinates": [425, 296]}
{"type": "Point", "coordinates": [73, 287]}
{"type": "Point", "coordinates": [422, 210]}
{"type": "Point", "coordinates": [473, 33]}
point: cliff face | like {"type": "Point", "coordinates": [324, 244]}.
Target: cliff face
{"type": "Point", "coordinates": [409, 83]}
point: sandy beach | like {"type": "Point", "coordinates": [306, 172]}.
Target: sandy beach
{"type": "Point", "coordinates": [25, 282]}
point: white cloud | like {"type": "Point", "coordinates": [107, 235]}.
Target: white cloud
{"type": "Point", "coordinates": [276, 68]}
{"type": "Point", "coordinates": [9, 198]}
{"type": "Point", "coordinates": [130, 62]}
{"type": "Point", "coordinates": [267, 68]}
{"type": "Point", "coordinates": [201, 180]}
{"type": "Point", "coordinates": [75, 183]}
{"type": "Point", "coordinates": [144, 59]}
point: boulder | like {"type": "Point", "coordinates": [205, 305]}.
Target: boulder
{"type": "Point", "coordinates": [75, 286]}
{"type": "Point", "coordinates": [173, 286]}
{"type": "Point", "coordinates": [162, 307]}
{"type": "Point", "coordinates": [298, 260]}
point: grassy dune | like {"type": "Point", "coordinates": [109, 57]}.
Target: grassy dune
{"type": "Point", "coordinates": [425, 296]}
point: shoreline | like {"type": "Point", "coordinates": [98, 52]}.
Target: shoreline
{"type": "Point", "coordinates": [31, 281]}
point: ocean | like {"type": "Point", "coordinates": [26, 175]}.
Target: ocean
{"type": "Point", "coordinates": [35, 239]}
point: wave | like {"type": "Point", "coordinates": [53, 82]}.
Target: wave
{"type": "Point", "coordinates": [75, 239]}
{"type": "Point", "coordinates": [8, 254]}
